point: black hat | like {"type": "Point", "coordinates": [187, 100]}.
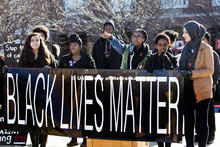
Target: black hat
{"type": "Point", "coordinates": [75, 38]}
{"type": "Point", "coordinates": [109, 22]}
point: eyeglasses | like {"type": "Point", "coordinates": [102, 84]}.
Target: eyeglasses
{"type": "Point", "coordinates": [137, 37]}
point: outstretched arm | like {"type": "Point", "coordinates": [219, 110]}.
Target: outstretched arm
{"type": "Point", "coordinates": [115, 43]}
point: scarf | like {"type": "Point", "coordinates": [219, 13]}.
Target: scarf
{"type": "Point", "coordinates": [196, 32]}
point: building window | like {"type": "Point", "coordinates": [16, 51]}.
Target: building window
{"type": "Point", "coordinates": [119, 4]}
{"type": "Point", "coordinates": [166, 4]}
{"type": "Point", "coordinates": [215, 2]}
{"type": "Point", "coordinates": [74, 5]}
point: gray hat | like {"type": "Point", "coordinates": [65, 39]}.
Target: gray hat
{"type": "Point", "coordinates": [109, 22]}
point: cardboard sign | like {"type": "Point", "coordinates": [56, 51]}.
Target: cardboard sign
{"type": "Point", "coordinates": [11, 137]}
{"type": "Point", "coordinates": [12, 54]}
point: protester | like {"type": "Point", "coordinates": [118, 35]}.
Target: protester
{"type": "Point", "coordinates": [76, 59]}
{"type": "Point", "coordinates": [215, 76]}
{"type": "Point", "coordinates": [103, 53]}
{"type": "Point", "coordinates": [36, 55]}
{"type": "Point", "coordinates": [161, 60]}
{"type": "Point", "coordinates": [135, 55]}
{"type": "Point", "coordinates": [173, 35]}
{"type": "Point", "coordinates": [197, 66]}
{"type": "Point", "coordinates": [45, 34]}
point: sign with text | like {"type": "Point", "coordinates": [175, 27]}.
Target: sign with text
{"type": "Point", "coordinates": [12, 54]}
{"type": "Point", "coordinates": [110, 104]}
{"type": "Point", "coordinates": [11, 137]}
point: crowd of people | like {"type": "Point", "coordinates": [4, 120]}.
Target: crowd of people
{"type": "Point", "coordinates": [198, 63]}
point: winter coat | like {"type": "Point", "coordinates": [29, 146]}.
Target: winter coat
{"type": "Point", "coordinates": [37, 63]}
{"type": "Point", "coordinates": [165, 62]}
{"type": "Point", "coordinates": [141, 64]}
{"type": "Point", "coordinates": [202, 73]}
{"type": "Point", "coordinates": [85, 62]}
{"type": "Point", "coordinates": [101, 61]}
{"type": "Point", "coordinates": [138, 58]}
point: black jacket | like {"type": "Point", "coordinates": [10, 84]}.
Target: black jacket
{"type": "Point", "coordinates": [98, 54]}
{"type": "Point", "coordinates": [86, 62]}
{"type": "Point", "coordinates": [164, 62]}
{"type": "Point", "coordinates": [37, 63]}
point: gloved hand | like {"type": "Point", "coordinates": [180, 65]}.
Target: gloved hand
{"type": "Point", "coordinates": [186, 73]}
{"type": "Point", "coordinates": [4, 69]}
{"type": "Point", "coordinates": [47, 67]}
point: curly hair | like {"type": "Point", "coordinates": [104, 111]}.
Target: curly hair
{"type": "Point", "coordinates": [27, 55]}
{"type": "Point", "coordinates": [172, 34]}
{"type": "Point", "coordinates": [43, 30]}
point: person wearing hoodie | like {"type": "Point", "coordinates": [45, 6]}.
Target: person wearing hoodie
{"type": "Point", "coordinates": [103, 53]}
{"type": "Point", "coordinates": [197, 67]}
{"type": "Point", "coordinates": [78, 60]}
{"type": "Point", "coordinates": [134, 55]}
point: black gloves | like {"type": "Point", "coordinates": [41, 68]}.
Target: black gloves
{"type": "Point", "coordinates": [186, 73]}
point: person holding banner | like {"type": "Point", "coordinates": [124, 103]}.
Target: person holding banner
{"type": "Point", "coordinates": [197, 66]}
{"type": "Point", "coordinates": [36, 55]}
{"type": "Point", "coordinates": [135, 55]}
{"type": "Point", "coordinates": [76, 59]}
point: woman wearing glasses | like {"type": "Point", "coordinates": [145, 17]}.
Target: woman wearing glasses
{"type": "Point", "coordinates": [135, 55]}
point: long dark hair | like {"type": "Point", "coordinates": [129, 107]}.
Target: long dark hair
{"type": "Point", "coordinates": [27, 55]}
